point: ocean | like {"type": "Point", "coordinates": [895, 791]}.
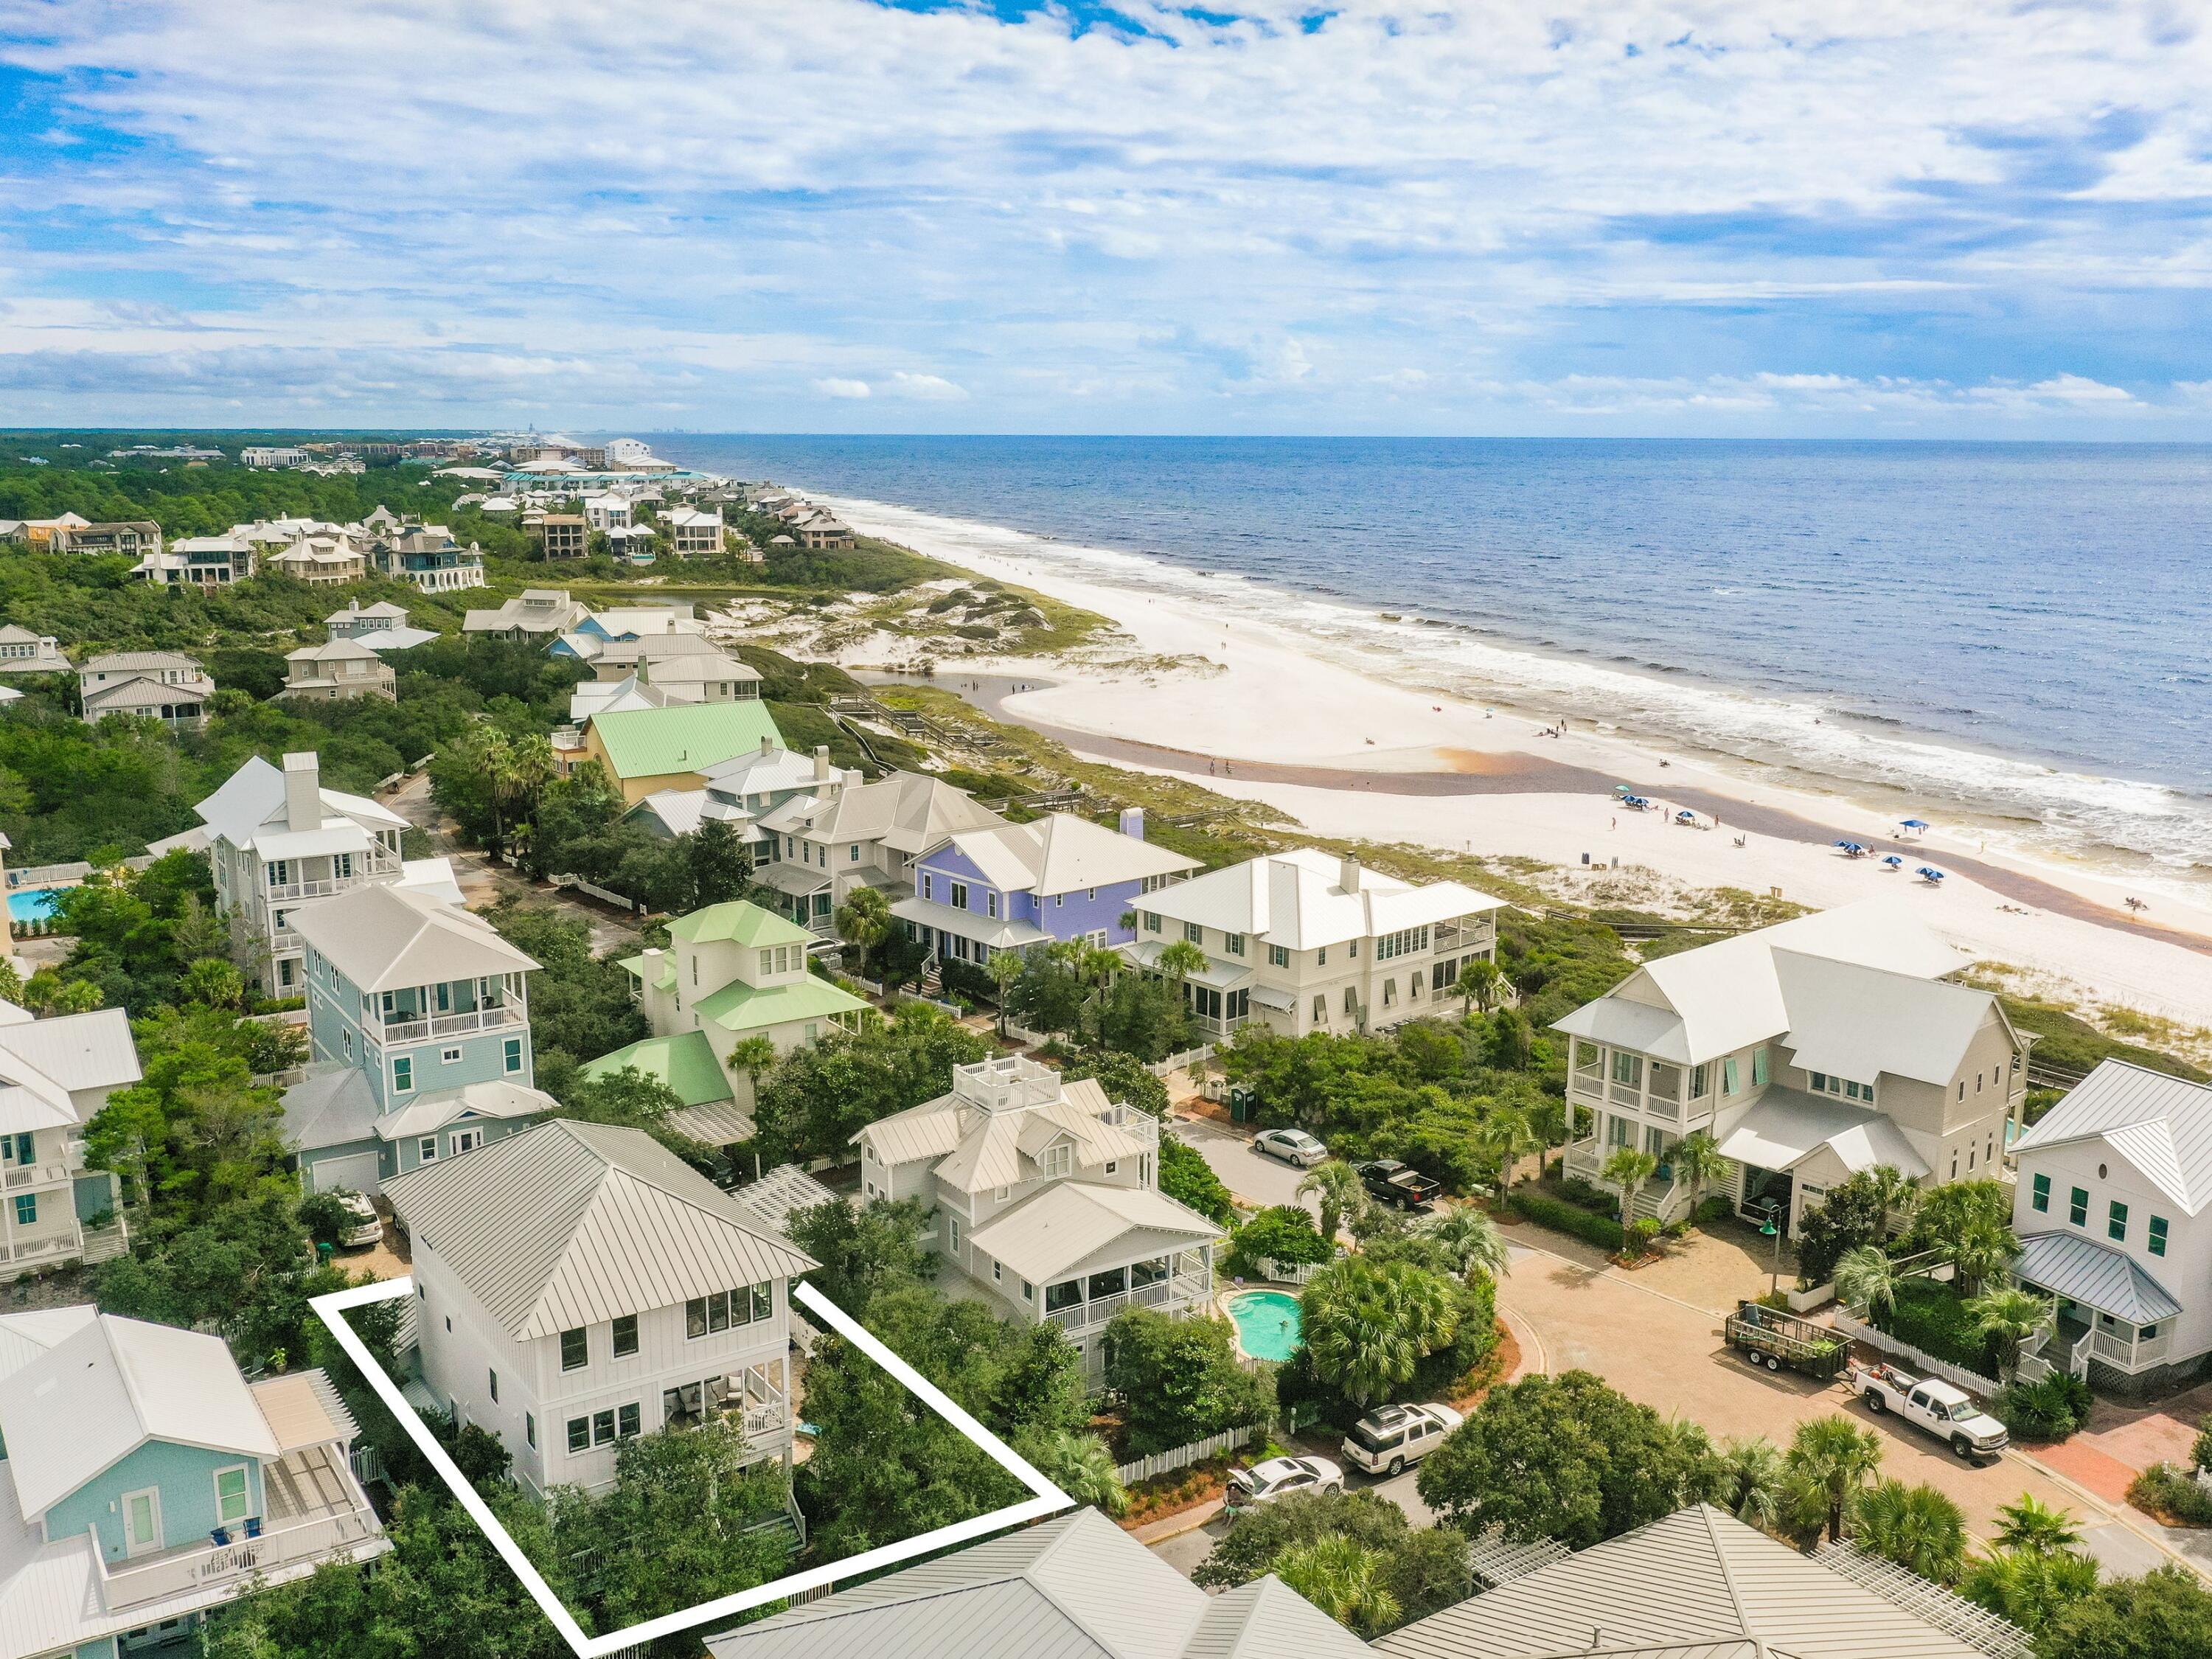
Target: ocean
{"type": "Point", "coordinates": [2019, 635]}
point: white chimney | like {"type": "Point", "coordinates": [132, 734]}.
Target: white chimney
{"type": "Point", "coordinates": [1133, 822]}
{"type": "Point", "coordinates": [1347, 874]}
{"type": "Point", "coordinates": [303, 792]}
{"type": "Point", "coordinates": [822, 763]}
{"type": "Point", "coordinates": [767, 746]}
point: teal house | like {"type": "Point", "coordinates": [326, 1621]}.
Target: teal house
{"type": "Point", "coordinates": [143, 1481]}
{"type": "Point", "coordinates": [418, 1021]}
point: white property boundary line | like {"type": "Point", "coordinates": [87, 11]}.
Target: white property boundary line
{"type": "Point", "coordinates": [1048, 1499]}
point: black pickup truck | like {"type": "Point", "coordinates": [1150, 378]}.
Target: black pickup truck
{"type": "Point", "coordinates": [1389, 1181]}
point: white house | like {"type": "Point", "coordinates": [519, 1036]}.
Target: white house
{"type": "Point", "coordinates": [1047, 1198]}
{"type": "Point", "coordinates": [694, 530]}
{"type": "Point", "coordinates": [2112, 1205]}
{"type": "Point", "coordinates": [165, 685]}
{"type": "Point", "coordinates": [578, 1284]}
{"type": "Point", "coordinates": [816, 848]}
{"type": "Point", "coordinates": [54, 1075]}
{"type": "Point", "coordinates": [1303, 941]}
{"type": "Point", "coordinates": [1811, 1051]}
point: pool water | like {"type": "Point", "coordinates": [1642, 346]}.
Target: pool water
{"type": "Point", "coordinates": [1266, 1323]}
{"type": "Point", "coordinates": [31, 903]}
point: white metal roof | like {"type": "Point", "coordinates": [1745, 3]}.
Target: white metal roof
{"type": "Point", "coordinates": [97, 1395]}
{"type": "Point", "coordinates": [2162, 1124]}
{"type": "Point", "coordinates": [993, 933]}
{"type": "Point", "coordinates": [24, 1336]}
{"type": "Point", "coordinates": [1299, 900]}
{"type": "Point", "coordinates": [571, 1224]}
{"type": "Point", "coordinates": [250, 802]}
{"type": "Point", "coordinates": [1061, 852]}
{"type": "Point", "coordinates": [496, 1099]}
{"type": "Point", "coordinates": [1856, 1021]}
{"type": "Point", "coordinates": [385, 939]}
{"type": "Point", "coordinates": [1784, 1126]}
{"type": "Point", "coordinates": [773, 1199]}
{"type": "Point", "coordinates": [1070, 1221]}
{"type": "Point", "coordinates": [331, 1106]}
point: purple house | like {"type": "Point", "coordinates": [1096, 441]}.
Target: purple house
{"type": "Point", "coordinates": [1019, 886]}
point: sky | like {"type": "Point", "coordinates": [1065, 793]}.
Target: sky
{"type": "Point", "coordinates": [1910, 218]}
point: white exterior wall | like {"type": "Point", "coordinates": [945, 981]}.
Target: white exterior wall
{"type": "Point", "coordinates": [461, 1344]}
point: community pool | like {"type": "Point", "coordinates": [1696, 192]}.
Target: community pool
{"type": "Point", "coordinates": [31, 903]}
{"type": "Point", "coordinates": [1266, 1323]}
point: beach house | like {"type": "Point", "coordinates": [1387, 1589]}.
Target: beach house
{"type": "Point", "coordinates": [729, 972]}
{"type": "Point", "coordinates": [22, 652]}
{"type": "Point", "coordinates": [144, 1481]}
{"type": "Point", "coordinates": [815, 848]}
{"type": "Point", "coordinates": [1809, 1051]}
{"type": "Point", "coordinates": [695, 531]}
{"type": "Point", "coordinates": [206, 563]}
{"type": "Point", "coordinates": [382, 627]}
{"type": "Point", "coordinates": [646, 750]}
{"type": "Point", "coordinates": [639, 1296]}
{"type": "Point", "coordinates": [1074, 1585]}
{"type": "Point", "coordinates": [542, 614]}
{"type": "Point", "coordinates": [164, 686]}
{"type": "Point", "coordinates": [1305, 941]}
{"type": "Point", "coordinates": [425, 555]}
{"type": "Point", "coordinates": [2112, 1205]}
{"type": "Point", "coordinates": [338, 670]}
{"type": "Point", "coordinates": [418, 1024]}
{"type": "Point", "coordinates": [741, 790]}
{"type": "Point", "coordinates": [1016, 886]}
{"type": "Point", "coordinates": [1047, 1201]}
{"type": "Point", "coordinates": [55, 1073]}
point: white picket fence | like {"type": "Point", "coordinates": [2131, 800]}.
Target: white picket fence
{"type": "Point", "coordinates": [1287, 1273]}
{"type": "Point", "coordinates": [1181, 1062]}
{"type": "Point", "coordinates": [1182, 1458]}
{"type": "Point", "coordinates": [1972, 1382]}
{"type": "Point", "coordinates": [601, 893]}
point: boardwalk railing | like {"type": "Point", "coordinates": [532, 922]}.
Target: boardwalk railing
{"type": "Point", "coordinates": [1182, 1458]}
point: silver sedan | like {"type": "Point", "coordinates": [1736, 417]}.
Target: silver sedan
{"type": "Point", "coordinates": [1292, 1145]}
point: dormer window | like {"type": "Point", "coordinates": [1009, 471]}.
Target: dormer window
{"type": "Point", "coordinates": [1059, 1161]}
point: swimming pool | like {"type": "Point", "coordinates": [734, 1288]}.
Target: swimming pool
{"type": "Point", "coordinates": [1266, 1323]}
{"type": "Point", "coordinates": [31, 903]}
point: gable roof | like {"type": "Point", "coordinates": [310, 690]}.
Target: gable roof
{"type": "Point", "coordinates": [1784, 1126]}
{"type": "Point", "coordinates": [1070, 1221]}
{"type": "Point", "coordinates": [1298, 900]}
{"type": "Point", "coordinates": [738, 923]}
{"type": "Point", "coordinates": [251, 801]}
{"type": "Point", "coordinates": [1858, 1021]}
{"type": "Point", "coordinates": [907, 811]}
{"type": "Point", "coordinates": [572, 1224]}
{"type": "Point", "coordinates": [2162, 1125]}
{"type": "Point", "coordinates": [331, 1106]}
{"type": "Point", "coordinates": [102, 1392]}
{"type": "Point", "coordinates": [643, 742]}
{"type": "Point", "coordinates": [386, 939]}
{"type": "Point", "coordinates": [1074, 1586]}
{"type": "Point", "coordinates": [1060, 853]}
{"type": "Point", "coordinates": [1699, 1575]}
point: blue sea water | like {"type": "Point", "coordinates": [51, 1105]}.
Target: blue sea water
{"type": "Point", "coordinates": [2018, 631]}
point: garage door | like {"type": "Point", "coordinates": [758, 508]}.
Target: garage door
{"type": "Point", "coordinates": [356, 1170]}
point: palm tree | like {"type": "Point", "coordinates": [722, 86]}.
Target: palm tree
{"type": "Point", "coordinates": [1470, 1242]}
{"type": "Point", "coordinates": [1005, 967]}
{"type": "Point", "coordinates": [1696, 1160]}
{"type": "Point", "coordinates": [753, 1056]}
{"type": "Point", "coordinates": [2005, 1319]}
{"type": "Point", "coordinates": [1981, 1253]}
{"type": "Point", "coordinates": [1369, 1325]}
{"type": "Point", "coordinates": [2028, 1586]}
{"type": "Point", "coordinates": [1750, 1484]}
{"type": "Point", "coordinates": [1866, 1279]}
{"type": "Point", "coordinates": [865, 920]}
{"type": "Point", "coordinates": [1629, 1169]}
{"type": "Point", "coordinates": [1897, 1191]}
{"type": "Point", "coordinates": [1346, 1580]}
{"type": "Point", "coordinates": [1179, 962]}
{"type": "Point", "coordinates": [1917, 1526]}
{"type": "Point", "coordinates": [1507, 1134]}
{"type": "Point", "coordinates": [2035, 1527]}
{"type": "Point", "coordinates": [1829, 1459]}
{"type": "Point", "coordinates": [1080, 1466]}
{"type": "Point", "coordinates": [1480, 980]}
{"type": "Point", "coordinates": [214, 983]}
{"type": "Point", "coordinates": [1337, 1184]}
{"type": "Point", "coordinates": [527, 767]}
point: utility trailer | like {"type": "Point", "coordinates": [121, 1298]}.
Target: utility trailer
{"type": "Point", "coordinates": [1774, 1338]}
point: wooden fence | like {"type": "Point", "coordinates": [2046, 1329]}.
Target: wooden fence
{"type": "Point", "coordinates": [1182, 1458]}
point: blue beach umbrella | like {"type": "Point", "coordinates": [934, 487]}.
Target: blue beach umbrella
{"type": "Point", "coordinates": [1894, 862]}
{"type": "Point", "coordinates": [1931, 876]}
{"type": "Point", "coordinates": [1913, 824]}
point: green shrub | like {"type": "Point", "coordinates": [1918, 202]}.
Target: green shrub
{"type": "Point", "coordinates": [1642, 1236]}
{"type": "Point", "coordinates": [1598, 1200]}
{"type": "Point", "coordinates": [1282, 1232]}
{"type": "Point", "coordinates": [1933, 1318]}
{"type": "Point", "coordinates": [2164, 1491]}
{"type": "Point", "coordinates": [1567, 1218]}
{"type": "Point", "coordinates": [2050, 1409]}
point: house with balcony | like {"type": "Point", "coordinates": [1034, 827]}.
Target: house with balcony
{"type": "Point", "coordinates": [418, 1024]}
{"type": "Point", "coordinates": [540, 614]}
{"type": "Point", "coordinates": [163, 685]}
{"type": "Point", "coordinates": [338, 670]}
{"type": "Point", "coordinates": [815, 848]}
{"type": "Point", "coordinates": [740, 791]}
{"type": "Point", "coordinates": [2112, 1205]}
{"type": "Point", "coordinates": [1810, 1051]}
{"type": "Point", "coordinates": [321, 561]}
{"type": "Point", "coordinates": [729, 972]}
{"type": "Point", "coordinates": [206, 563]}
{"type": "Point", "coordinates": [55, 1074]}
{"type": "Point", "coordinates": [133, 539]}
{"type": "Point", "coordinates": [1019, 886]}
{"type": "Point", "coordinates": [1047, 1199]}
{"type": "Point", "coordinates": [614, 642]}
{"type": "Point", "coordinates": [275, 840]}
{"type": "Point", "coordinates": [640, 1297]}
{"type": "Point", "coordinates": [144, 1481]}
{"type": "Point", "coordinates": [695, 531]}
{"type": "Point", "coordinates": [382, 626]}
{"type": "Point", "coordinates": [22, 652]}
{"type": "Point", "coordinates": [425, 555]}
{"type": "Point", "coordinates": [1304, 941]}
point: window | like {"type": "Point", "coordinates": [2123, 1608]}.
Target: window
{"type": "Point", "coordinates": [463, 1140]}
{"type": "Point", "coordinates": [1389, 993]}
{"type": "Point", "coordinates": [1758, 1067]}
{"type": "Point", "coordinates": [529, 1429]}
{"type": "Point", "coordinates": [1321, 957]}
{"type": "Point", "coordinates": [991, 902]}
{"type": "Point", "coordinates": [514, 1047]}
{"type": "Point", "coordinates": [26, 1209]}
{"type": "Point", "coordinates": [852, 853]}
{"type": "Point", "coordinates": [1278, 957]}
{"type": "Point", "coordinates": [703, 1315]}
{"type": "Point", "coordinates": [1194, 933]}
{"type": "Point", "coordinates": [1320, 1011]}
{"type": "Point", "coordinates": [1351, 999]}
{"type": "Point", "coordinates": [579, 1434]}
{"type": "Point", "coordinates": [1233, 943]}
{"type": "Point", "coordinates": [960, 896]}
{"type": "Point", "coordinates": [2116, 1221]}
{"type": "Point", "coordinates": [2077, 1204]}
{"type": "Point", "coordinates": [449, 1056]}
{"type": "Point", "coordinates": [575, 1350]}
{"type": "Point", "coordinates": [1058, 1160]}
{"type": "Point", "coordinates": [952, 1232]}
{"type": "Point", "coordinates": [18, 1149]}
{"type": "Point", "coordinates": [625, 1335]}
{"type": "Point", "coordinates": [426, 1149]}
{"type": "Point", "coordinates": [997, 1273]}
{"type": "Point", "coordinates": [1627, 1069]}
{"type": "Point", "coordinates": [403, 1074]}
{"type": "Point", "coordinates": [1404, 942]}
{"type": "Point", "coordinates": [628, 1421]}
{"type": "Point", "coordinates": [1151, 922]}
{"type": "Point", "coordinates": [603, 1427]}
{"type": "Point", "coordinates": [1731, 1080]}
{"type": "Point", "coordinates": [494, 1384]}
{"type": "Point", "coordinates": [1113, 1165]}
{"type": "Point", "coordinates": [928, 884]}
{"type": "Point", "coordinates": [1058, 900]}
{"type": "Point", "coordinates": [2157, 1235]}
{"type": "Point", "coordinates": [232, 1498]}
{"type": "Point", "coordinates": [2041, 1196]}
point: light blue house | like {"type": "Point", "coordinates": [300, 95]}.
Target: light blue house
{"type": "Point", "coordinates": [143, 1481]}
{"type": "Point", "coordinates": [418, 1020]}
{"type": "Point", "coordinates": [1020, 886]}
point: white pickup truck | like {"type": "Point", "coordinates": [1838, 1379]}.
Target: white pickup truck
{"type": "Point", "coordinates": [1949, 1414]}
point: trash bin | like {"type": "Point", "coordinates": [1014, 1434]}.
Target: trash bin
{"type": "Point", "coordinates": [324, 1252]}
{"type": "Point", "coordinates": [1242, 1106]}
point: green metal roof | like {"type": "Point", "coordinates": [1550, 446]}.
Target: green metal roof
{"type": "Point", "coordinates": [645, 743]}
{"type": "Point", "coordinates": [739, 1007]}
{"type": "Point", "coordinates": [637, 965]}
{"type": "Point", "coordinates": [684, 1062]}
{"type": "Point", "coordinates": [740, 923]}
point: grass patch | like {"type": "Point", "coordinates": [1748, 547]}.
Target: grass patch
{"type": "Point", "coordinates": [2064, 1038]}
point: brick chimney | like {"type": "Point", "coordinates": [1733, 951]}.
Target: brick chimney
{"type": "Point", "coordinates": [303, 792]}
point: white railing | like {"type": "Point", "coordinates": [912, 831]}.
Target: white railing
{"type": "Point", "coordinates": [482, 1019]}
{"type": "Point", "coordinates": [174, 1572]}
{"type": "Point", "coordinates": [1181, 1062]}
{"type": "Point", "coordinates": [61, 1244]}
{"type": "Point", "coordinates": [1589, 1084]}
{"type": "Point", "coordinates": [37, 1175]}
{"type": "Point", "coordinates": [1097, 1310]}
{"type": "Point", "coordinates": [1182, 1458]}
{"type": "Point", "coordinates": [1972, 1382]}
{"type": "Point", "coordinates": [1287, 1273]}
{"type": "Point", "coordinates": [2129, 1353]}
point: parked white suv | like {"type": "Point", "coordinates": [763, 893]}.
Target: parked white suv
{"type": "Point", "coordinates": [1384, 1440]}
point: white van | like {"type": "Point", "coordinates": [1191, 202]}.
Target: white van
{"type": "Point", "coordinates": [1384, 1440]}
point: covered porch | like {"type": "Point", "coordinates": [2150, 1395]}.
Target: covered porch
{"type": "Point", "coordinates": [759, 1396]}
{"type": "Point", "coordinates": [2110, 1310]}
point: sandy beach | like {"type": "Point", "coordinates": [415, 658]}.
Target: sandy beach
{"type": "Point", "coordinates": [1258, 713]}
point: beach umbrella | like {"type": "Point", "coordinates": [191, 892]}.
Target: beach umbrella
{"type": "Point", "coordinates": [1913, 824]}
{"type": "Point", "coordinates": [1894, 862]}
{"type": "Point", "coordinates": [1929, 874]}
{"type": "Point", "coordinates": [1685, 817]}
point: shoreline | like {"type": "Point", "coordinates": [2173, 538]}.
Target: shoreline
{"type": "Point", "coordinates": [1347, 754]}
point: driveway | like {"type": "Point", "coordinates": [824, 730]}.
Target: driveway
{"type": "Point", "coordinates": [1251, 1178]}
{"type": "Point", "coordinates": [1186, 1550]}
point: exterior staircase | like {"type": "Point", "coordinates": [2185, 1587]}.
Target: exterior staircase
{"type": "Point", "coordinates": [932, 979]}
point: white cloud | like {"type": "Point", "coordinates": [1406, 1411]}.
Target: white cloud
{"type": "Point", "coordinates": [833, 386]}
{"type": "Point", "coordinates": [926, 388]}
